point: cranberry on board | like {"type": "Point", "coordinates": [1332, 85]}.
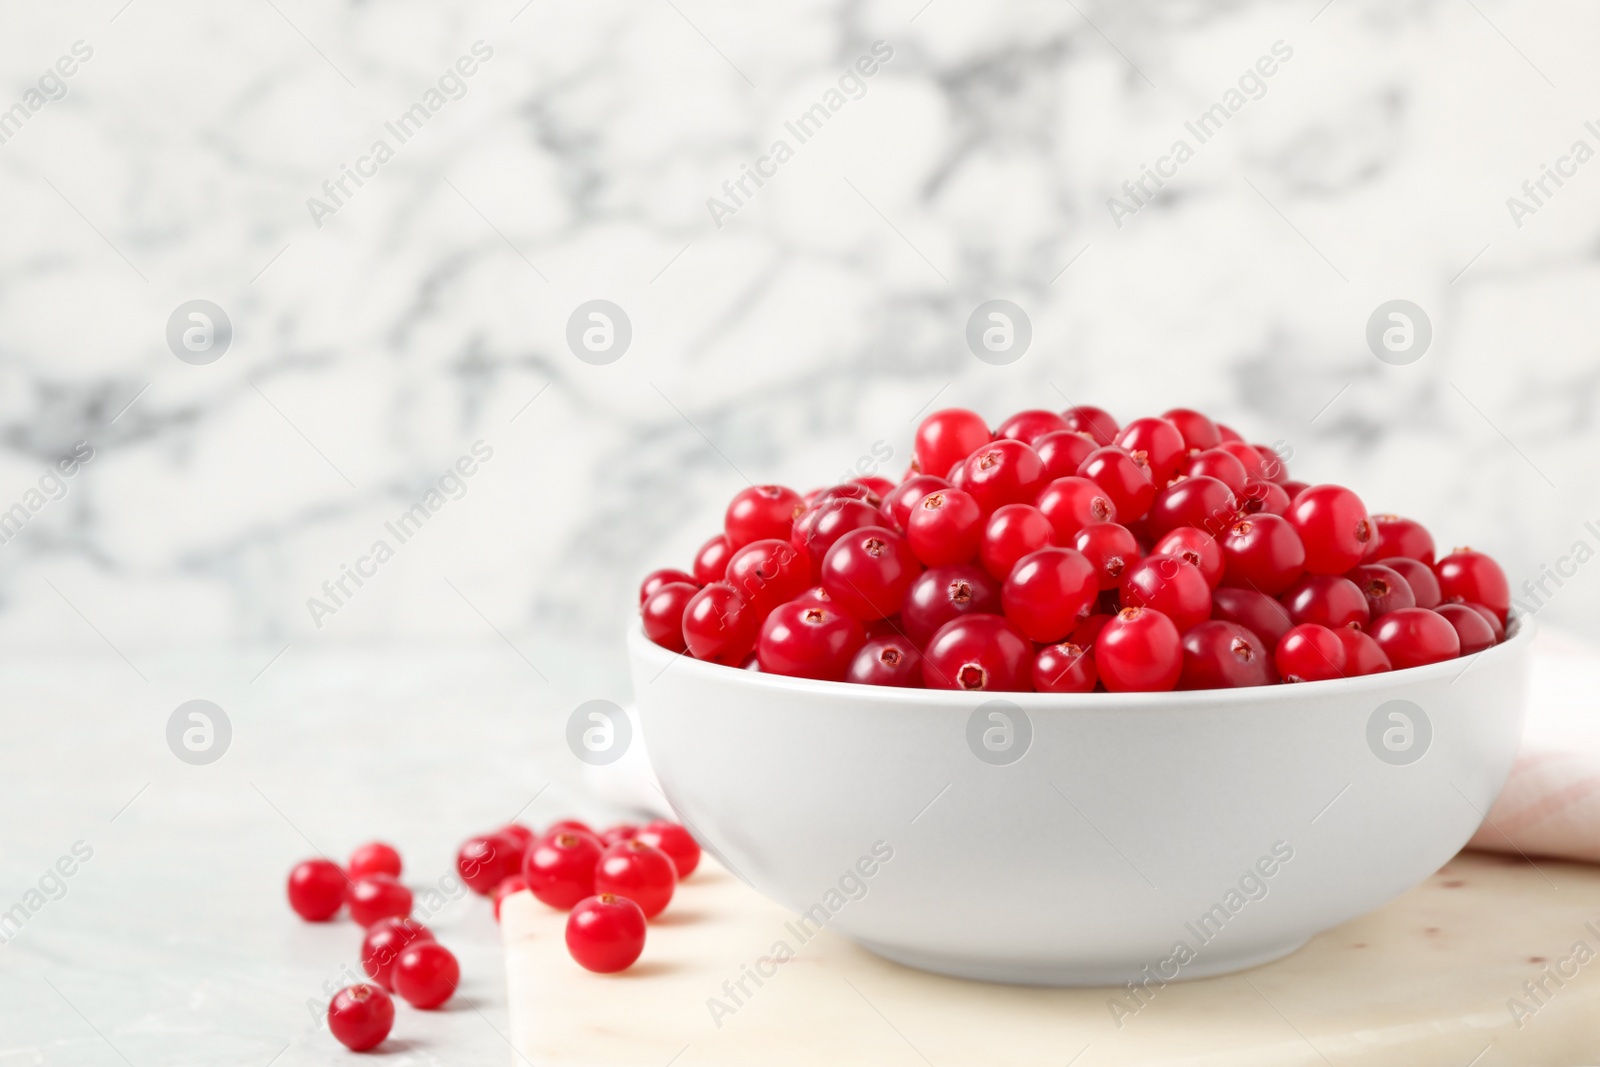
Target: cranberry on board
{"type": "Point", "coordinates": [1029, 426]}
{"type": "Point", "coordinates": [681, 848]}
{"type": "Point", "coordinates": [829, 519]}
{"type": "Point", "coordinates": [559, 868]}
{"type": "Point", "coordinates": [483, 861]}
{"type": "Point", "coordinates": [317, 889]}
{"type": "Point", "coordinates": [1310, 653]}
{"type": "Point", "coordinates": [1473, 631]}
{"type": "Point", "coordinates": [1096, 422]}
{"type": "Point", "coordinates": [360, 1017]}
{"type": "Point", "coordinates": [1253, 610]}
{"type": "Point", "coordinates": [767, 573]}
{"type": "Point", "coordinates": [719, 625]}
{"type": "Point", "coordinates": [1220, 464]}
{"type": "Point", "coordinates": [946, 526]}
{"type": "Point", "coordinates": [711, 562]}
{"type": "Point", "coordinates": [1400, 537]}
{"type": "Point", "coordinates": [1011, 533]}
{"type": "Point", "coordinates": [1129, 485]}
{"type": "Point", "coordinates": [898, 502]}
{"type": "Point", "coordinates": [1047, 591]}
{"type": "Point", "coordinates": [638, 871]}
{"type": "Point", "coordinates": [1473, 577]}
{"type": "Point", "coordinates": [947, 437]}
{"type": "Point", "coordinates": [1002, 472]}
{"type": "Point", "coordinates": [1424, 584]}
{"type": "Point", "coordinates": [1416, 637]}
{"type": "Point", "coordinates": [1327, 600]}
{"type": "Point", "coordinates": [1111, 548]}
{"type": "Point", "coordinates": [940, 594]}
{"type": "Point", "coordinates": [1197, 500]}
{"type": "Point", "coordinates": [808, 640]}
{"type": "Point", "coordinates": [1262, 552]}
{"type": "Point", "coordinates": [760, 512]}
{"type": "Point", "coordinates": [1062, 453]}
{"type": "Point", "coordinates": [1072, 503]}
{"type": "Point", "coordinates": [1138, 651]}
{"type": "Point", "coordinates": [1157, 443]}
{"type": "Point", "coordinates": [1193, 546]}
{"type": "Point", "coordinates": [868, 571]}
{"type": "Point", "coordinates": [515, 884]}
{"type": "Point", "coordinates": [426, 974]}
{"type": "Point", "coordinates": [978, 653]}
{"type": "Point", "coordinates": [1171, 586]}
{"type": "Point", "coordinates": [1333, 526]}
{"type": "Point", "coordinates": [1199, 432]}
{"type": "Point", "coordinates": [1064, 668]}
{"type": "Point", "coordinates": [1361, 653]}
{"type": "Point", "coordinates": [605, 933]}
{"type": "Point", "coordinates": [1225, 655]}
{"type": "Point", "coordinates": [662, 614]}
{"type": "Point", "coordinates": [1384, 588]}
{"type": "Point", "coordinates": [378, 896]}
{"type": "Point", "coordinates": [889, 660]}
{"type": "Point", "coordinates": [665, 576]}
{"type": "Point", "coordinates": [383, 943]}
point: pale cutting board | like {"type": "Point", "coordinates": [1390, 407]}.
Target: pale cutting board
{"type": "Point", "coordinates": [1425, 980]}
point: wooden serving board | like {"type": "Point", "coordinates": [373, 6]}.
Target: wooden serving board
{"type": "Point", "coordinates": [1435, 977]}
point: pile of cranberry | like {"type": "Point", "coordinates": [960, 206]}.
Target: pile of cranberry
{"type": "Point", "coordinates": [1063, 552]}
{"type": "Point", "coordinates": [610, 881]}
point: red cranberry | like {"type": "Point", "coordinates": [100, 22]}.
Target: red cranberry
{"type": "Point", "coordinates": [1491, 618]}
{"type": "Point", "coordinates": [711, 562]}
{"type": "Point", "coordinates": [1193, 546]}
{"type": "Point", "coordinates": [1310, 653]}
{"type": "Point", "coordinates": [1248, 457]}
{"type": "Point", "coordinates": [1262, 552]}
{"type": "Point", "coordinates": [1228, 433]}
{"type": "Point", "coordinates": [1415, 637]}
{"type": "Point", "coordinates": [662, 614]}
{"type": "Point", "coordinates": [621, 832]}
{"type": "Point", "coordinates": [1253, 610]}
{"type": "Point", "coordinates": [1224, 655]}
{"type": "Point", "coordinates": [1155, 442]}
{"type": "Point", "coordinates": [1126, 483]}
{"type": "Point", "coordinates": [855, 489]}
{"type": "Point", "coordinates": [1072, 503]}
{"type": "Point", "coordinates": [378, 896]}
{"type": "Point", "coordinates": [1333, 526]}
{"type": "Point", "coordinates": [978, 652]}
{"type": "Point", "coordinates": [809, 640]}
{"type": "Point", "coordinates": [767, 573]}
{"type": "Point", "coordinates": [1400, 537]}
{"type": "Point", "coordinates": [681, 848]}
{"type": "Point", "coordinates": [1064, 668]}
{"type": "Point", "coordinates": [1264, 497]}
{"type": "Point", "coordinates": [1472, 576]}
{"type": "Point", "coordinates": [947, 437]}
{"type": "Point", "coordinates": [1361, 653]}
{"type": "Point", "coordinates": [1088, 629]}
{"type": "Point", "coordinates": [761, 512]}
{"type": "Point", "coordinates": [563, 824]}
{"type": "Point", "coordinates": [892, 660]}
{"type": "Point", "coordinates": [1096, 422]}
{"type": "Point", "coordinates": [638, 871]}
{"type": "Point", "coordinates": [360, 1017]}
{"type": "Point", "coordinates": [515, 884]}
{"type": "Point", "coordinates": [1294, 488]}
{"type": "Point", "coordinates": [483, 861]}
{"type": "Point", "coordinates": [1171, 586]}
{"type": "Point", "coordinates": [605, 933]}
{"type": "Point", "coordinates": [1273, 467]}
{"type": "Point", "coordinates": [1111, 548]}
{"type": "Point", "coordinates": [383, 943]}
{"type": "Point", "coordinates": [426, 974]}
{"type": "Point", "coordinates": [940, 594]}
{"type": "Point", "coordinates": [666, 576]}
{"type": "Point", "coordinates": [1222, 465]}
{"type": "Point", "coordinates": [718, 625]}
{"type": "Point", "coordinates": [1047, 590]}
{"type": "Point", "coordinates": [898, 502]}
{"type": "Point", "coordinates": [1002, 472]}
{"type": "Point", "coordinates": [1062, 453]}
{"type": "Point", "coordinates": [946, 526]}
{"type": "Point", "coordinates": [1473, 631]}
{"type": "Point", "coordinates": [1199, 501]}
{"type": "Point", "coordinates": [1139, 651]}
{"type": "Point", "coordinates": [1384, 589]}
{"type": "Point", "coordinates": [829, 519]}
{"type": "Point", "coordinates": [559, 868]}
{"type": "Point", "coordinates": [1029, 426]}
{"type": "Point", "coordinates": [317, 890]}
{"type": "Point", "coordinates": [1199, 432]}
{"type": "Point", "coordinates": [868, 571]}
{"type": "Point", "coordinates": [1328, 601]}
{"type": "Point", "coordinates": [1419, 578]}
{"type": "Point", "coordinates": [1011, 533]}
{"type": "Point", "coordinates": [877, 484]}
{"type": "Point", "coordinates": [521, 836]}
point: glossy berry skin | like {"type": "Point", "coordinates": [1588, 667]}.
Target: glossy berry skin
{"type": "Point", "coordinates": [1000, 473]}
{"type": "Point", "coordinates": [760, 512]}
{"type": "Point", "coordinates": [809, 640]}
{"type": "Point", "coordinates": [515, 884]}
{"type": "Point", "coordinates": [426, 974]}
{"type": "Point", "coordinates": [1130, 486]}
{"type": "Point", "coordinates": [360, 1017]}
{"type": "Point", "coordinates": [1294, 488]}
{"type": "Point", "coordinates": [1198, 500]}
{"type": "Point", "coordinates": [665, 576]}
{"type": "Point", "coordinates": [1328, 601]}
{"type": "Point", "coordinates": [947, 437]}
{"type": "Point", "coordinates": [1383, 587]}
{"type": "Point", "coordinates": [605, 933]}
{"type": "Point", "coordinates": [1273, 467]}
{"type": "Point", "coordinates": [621, 832]}
{"type": "Point", "coordinates": [662, 614]}
{"type": "Point", "coordinates": [483, 861]}
{"type": "Point", "coordinates": [1199, 432]}
{"type": "Point", "coordinates": [1400, 537]}
{"type": "Point", "coordinates": [1193, 546]}
{"type": "Point", "coordinates": [1416, 637]}
{"type": "Point", "coordinates": [1047, 590]}
{"type": "Point", "coordinates": [1419, 577]}
{"type": "Point", "coordinates": [767, 573]}
{"type": "Point", "coordinates": [1111, 548]}
{"type": "Point", "coordinates": [1333, 526]}
{"type": "Point", "coordinates": [889, 660]}
{"type": "Point", "coordinates": [639, 871]}
{"type": "Point", "coordinates": [719, 625]}
{"type": "Point", "coordinates": [1062, 453]}
{"type": "Point", "coordinates": [1472, 630]}
{"type": "Point", "coordinates": [1220, 464]}
{"type": "Point", "coordinates": [898, 502]}
{"type": "Point", "coordinates": [559, 825]}
{"type": "Point", "coordinates": [1247, 456]}
{"type": "Point", "coordinates": [1138, 651]}
{"type": "Point", "coordinates": [1361, 653]}
{"type": "Point", "coordinates": [1064, 668]}
{"type": "Point", "coordinates": [1256, 612]}
{"type": "Point", "coordinates": [559, 868]}
{"type": "Point", "coordinates": [1011, 533]}
{"type": "Point", "coordinates": [876, 483]}
{"type": "Point", "coordinates": [1171, 586]}
{"type": "Point", "coordinates": [1096, 422]}
{"type": "Point", "coordinates": [521, 836]}
{"type": "Point", "coordinates": [378, 896]}
{"type": "Point", "coordinates": [317, 890]}
{"type": "Point", "coordinates": [1264, 553]}
{"type": "Point", "coordinates": [1228, 433]}
{"type": "Point", "coordinates": [1225, 655]}
{"type": "Point", "coordinates": [946, 526]}
{"type": "Point", "coordinates": [711, 562]}
{"type": "Point", "coordinates": [383, 943]}
{"type": "Point", "coordinates": [679, 845]}
{"type": "Point", "coordinates": [1491, 618]}
{"type": "Point", "coordinates": [1088, 629]}
{"type": "Point", "coordinates": [1264, 497]}
{"type": "Point", "coordinates": [1158, 443]}
{"type": "Point", "coordinates": [1072, 503]}
{"type": "Point", "coordinates": [1465, 575]}
{"type": "Point", "coordinates": [829, 519]}
{"type": "Point", "coordinates": [1310, 653]}
{"type": "Point", "coordinates": [978, 653]}
{"type": "Point", "coordinates": [868, 571]}
{"type": "Point", "coordinates": [941, 594]}
{"type": "Point", "coordinates": [1029, 426]}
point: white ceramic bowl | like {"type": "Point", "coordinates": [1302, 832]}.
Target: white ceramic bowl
{"type": "Point", "coordinates": [1132, 837]}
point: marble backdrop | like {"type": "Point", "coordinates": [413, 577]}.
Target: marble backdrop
{"type": "Point", "coordinates": [399, 207]}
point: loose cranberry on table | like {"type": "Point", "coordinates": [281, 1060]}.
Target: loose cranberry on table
{"type": "Point", "coordinates": [892, 660]}
{"type": "Point", "coordinates": [805, 639]}
{"type": "Point", "coordinates": [978, 653]}
{"type": "Point", "coordinates": [559, 868]}
{"type": "Point", "coordinates": [378, 896]}
{"type": "Point", "coordinates": [1384, 588]}
{"type": "Point", "coordinates": [1331, 601]}
{"type": "Point", "coordinates": [383, 943]}
{"type": "Point", "coordinates": [483, 861]}
{"type": "Point", "coordinates": [374, 858]}
{"type": "Point", "coordinates": [317, 889]}
{"type": "Point", "coordinates": [1416, 637]}
{"type": "Point", "coordinates": [665, 576]}
{"type": "Point", "coordinates": [1063, 453]}
{"type": "Point", "coordinates": [898, 502]}
{"type": "Point", "coordinates": [1310, 653]}
{"type": "Point", "coordinates": [1361, 653]}
{"type": "Point", "coordinates": [1400, 537]}
{"type": "Point", "coordinates": [1111, 549]}
{"type": "Point", "coordinates": [868, 571]}
{"type": "Point", "coordinates": [1096, 422]}
{"type": "Point", "coordinates": [605, 933]}
{"type": "Point", "coordinates": [1264, 553]}
{"type": "Point", "coordinates": [1171, 586]}
{"type": "Point", "coordinates": [681, 848]}
{"type": "Point", "coordinates": [1465, 575]}
{"type": "Point", "coordinates": [1225, 655]}
{"type": "Point", "coordinates": [1333, 527]}
{"type": "Point", "coordinates": [639, 871]}
{"type": "Point", "coordinates": [426, 974]}
{"type": "Point", "coordinates": [1000, 473]}
{"type": "Point", "coordinates": [662, 614]}
{"type": "Point", "coordinates": [1253, 610]}
{"type": "Point", "coordinates": [1472, 629]}
{"type": "Point", "coordinates": [360, 1017]}
{"type": "Point", "coordinates": [1011, 533]}
{"type": "Point", "coordinates": [940, 594]}
{"type": "Point", "coordinates": [1193, 546]}
{"type": "Point", "coordinates": [1424, 584]}
{"type": "Point", "coordinates": [1064, 667]}
{"type": "Point", "coordinates": [760, 512]}
{"type": "Point", "coordinates": [515, 884]}
{"type": "Point", "coordinates": [1047, 591]}
{"type": "Point", "coordinates": [1138, 650]}
{"type": "Point", "coordinates": [719, 625]}
{"type": "Point", "coordinates": [947, 437]}
{"type": "Point", "coordinates": [1072, 503]}
{"type": "Point", "coordinates": [711, 562]}
{"type": "Point", "coordinates": [1129, 485]}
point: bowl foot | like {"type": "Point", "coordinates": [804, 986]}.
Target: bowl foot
{"type": "Point", "coordinates": [1105, 973]}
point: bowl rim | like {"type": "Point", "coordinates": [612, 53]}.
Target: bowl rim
{"type": "Point", "coordinates": [1520, 631]}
